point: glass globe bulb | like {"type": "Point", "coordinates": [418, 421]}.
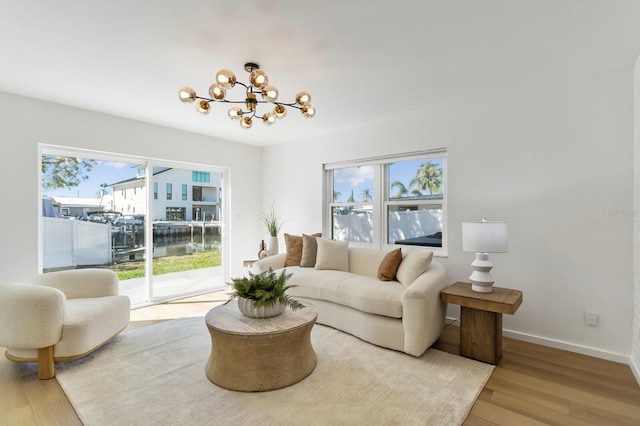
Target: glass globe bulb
{"type": "Point", "coordinates": [280, 111]}
{"type": "Point", "coordinates": [217, 92]}
{"type": "Point", "coordinates": [303, 98]}
{"type": "Point", "coordinates": [187, 94]}
{"type": "Point", "coordinates": [226, 78]}
{"type": "Point", "coordinates": [308, 111]}
{"type": "Point", "coordinates": [270, 93]}
{"type": "Point", "coordinates": [203, 107]}
{"type": "Point", "coordinates": [246, 122]}
{"type": "Point", "coordinates": [235, 113]}
{"type": "Point", "coordinates": [269, 118]}
{"type": "Point", "coordinates": [258, 78]}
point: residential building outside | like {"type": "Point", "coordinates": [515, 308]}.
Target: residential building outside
{"type": "Point", "coordinates": [178, 195]}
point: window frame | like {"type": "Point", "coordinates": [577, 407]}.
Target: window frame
{"type": "Point", "coordinates": [382, 199]}
{"type": "Point", "coordinates": [149, 177]}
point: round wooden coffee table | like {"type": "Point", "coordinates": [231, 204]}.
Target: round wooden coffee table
{"type": "Point", "coordinates": [259, 354]}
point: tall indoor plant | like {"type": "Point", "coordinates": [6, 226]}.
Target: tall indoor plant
{"type": "Point", "coordinates": [273, 224]}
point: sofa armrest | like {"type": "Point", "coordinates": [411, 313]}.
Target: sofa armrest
{"type": "Point", "coordinates": [274, 262]}
{"type": "Point", "coordinates": [31, 316]}
{"type": "Point", "coordinates": [81, 283]}
{"type": "Point", "coordinates": [423, 312]}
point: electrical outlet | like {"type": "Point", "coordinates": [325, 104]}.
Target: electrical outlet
{"type": "Point", "coordinates": [591, 318]}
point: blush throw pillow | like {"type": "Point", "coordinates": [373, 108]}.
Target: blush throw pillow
{"type": "Point", "coordinates": [293, 244]}
{"type": "Point", "coordinates": [389, 265]}
{"type": "Point", "coordinates": [295, 247]}
{"type": "Point", "coordinates": [414, 264]}
{"type": "Point", "coordinates": [309, 250]}
{"type": "Point", "coordinates": [332, 255]}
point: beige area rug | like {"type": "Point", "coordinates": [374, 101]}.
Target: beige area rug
{"type": "Point", "coordinates": [155, 376]}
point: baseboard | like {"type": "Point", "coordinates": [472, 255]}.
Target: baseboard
{"type": "Point", "coordinates": [635, 368]}
{"type": "Point", "coordinates": [571, 347]}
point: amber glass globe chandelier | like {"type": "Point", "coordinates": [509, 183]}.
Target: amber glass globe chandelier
{"type": "Point", "coordinates": [258, 85]}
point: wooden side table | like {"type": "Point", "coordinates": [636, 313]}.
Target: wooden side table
{"type": "Point", "coordinates": [481, 318]}
{"type": "Point", "coordinates": [248, 263]}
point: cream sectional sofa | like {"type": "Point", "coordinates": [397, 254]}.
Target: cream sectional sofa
{"type": "Point", "coordinates": [404, 314]}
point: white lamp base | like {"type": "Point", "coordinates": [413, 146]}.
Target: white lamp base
{"type": "Point", "coordinates": [481, 279]}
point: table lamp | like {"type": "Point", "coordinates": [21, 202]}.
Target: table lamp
{"type": "Point", "coordinates": [483, 238]}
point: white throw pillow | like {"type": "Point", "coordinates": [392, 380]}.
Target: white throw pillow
{"type": "Point", "coordinates": [332, 255]}
{"type": "Point", "coordinates": [414, 264]}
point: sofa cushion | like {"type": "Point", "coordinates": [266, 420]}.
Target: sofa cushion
{"type": "Point", "coordinates": [366, 294]}
{"type": "Point", "coordinates": [309, 250]}
{"type": "Point", "coordinates": [332, 255]}
{"type": "Point", "coordinates": [90, 322]}
{"type": "Point", "coordinates": [294, 245]}
{"type": "Point", "coordinates": [365, 260]}
{"type": "Point", "coordinates": [414, 264]}
{"type": "Point", "coordinates": [389, 265]}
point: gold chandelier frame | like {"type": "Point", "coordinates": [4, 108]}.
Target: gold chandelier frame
{"type": "Point", "coordinates": [258, 85]}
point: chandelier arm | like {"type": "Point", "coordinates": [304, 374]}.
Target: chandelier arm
{"type": "Point", "coordinates": [292, 105]}
{"type": "Point", "coordinates": [219, 100]}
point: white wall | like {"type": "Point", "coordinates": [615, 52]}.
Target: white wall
{"type": "Point", "coordinates": [554, 161]}
{"type": "Point", "coordinates": [26, 122]}
{"type": "Point", "coordinates": [635, 349]}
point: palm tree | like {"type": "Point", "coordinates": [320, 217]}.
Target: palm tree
{"type": "Point", "coordinates": [336, 195]}
{"type": "Point", "coordinates": [366, 195]}
{"type": "Point", "coordinates": [403, 191]}
{"type": "Point", "coordinates": [351, 198]}
{"type": "Point", "coordinates": [429, 177]}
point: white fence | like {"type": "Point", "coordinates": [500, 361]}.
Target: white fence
{"type": "Point", "coordinates": [75, 243]}
{"type": "Point", "coordinates": [358, 225]}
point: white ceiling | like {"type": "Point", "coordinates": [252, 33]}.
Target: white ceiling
{"type": "Point", "coordinates": [362, 61]}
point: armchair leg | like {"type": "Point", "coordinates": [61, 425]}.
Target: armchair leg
{"type": "Point", "coordinates": [45, 363]}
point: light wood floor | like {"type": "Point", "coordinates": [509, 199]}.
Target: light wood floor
{"type": "Point", "coordinates": [532, 384]}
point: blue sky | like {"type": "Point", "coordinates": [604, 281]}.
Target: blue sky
{"type": "Point", "coordinates": [360, 178]}
{"type": "Point", "coordinates": [104, 172]}
{"type": "Point", "coordinates": [356, 178]}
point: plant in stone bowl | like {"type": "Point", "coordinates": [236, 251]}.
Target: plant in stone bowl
{"type": "Point", "coordinates": [264, 295]}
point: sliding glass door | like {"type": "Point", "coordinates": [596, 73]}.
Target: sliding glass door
{"type": "Point", "coordinates": [187, 231]}
{"type": "Point", "coordinates": [158, 226]}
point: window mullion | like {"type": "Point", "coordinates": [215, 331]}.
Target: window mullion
{"type": "Point", "coordinates": [379, 213]}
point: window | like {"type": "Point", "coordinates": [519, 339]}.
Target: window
{"type": "Point", "coordinates": [176, 213]}
{"type": "Point", "coordinates": [197, 176]}
{"type": "Point", "coordinates": [398, 200]}
{"type": "Point", "coordinates": [125, 224]}
{"type": "Point", "coordinates": [196, 193]}
{"type": "Point", "coordinates": [184, 192]}
{"type": "Point", "coordinates": [169, 191]}
{"type": "Point", "coordinates": [352, 207]}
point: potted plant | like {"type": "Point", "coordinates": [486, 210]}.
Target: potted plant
{"type": "Point", "coordinates": [273, 224]}
{"type": "Point", "coordinates": [264, 295]}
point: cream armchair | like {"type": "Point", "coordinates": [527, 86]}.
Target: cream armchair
{"type": "Point", "coordinates": [60, 316]}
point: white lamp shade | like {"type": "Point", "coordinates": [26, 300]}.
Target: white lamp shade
{"type": "Point", "coordinates": [484, 237]}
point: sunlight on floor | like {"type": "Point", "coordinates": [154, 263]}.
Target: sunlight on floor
{"type": "Point", "coordinates": [189, 307]}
